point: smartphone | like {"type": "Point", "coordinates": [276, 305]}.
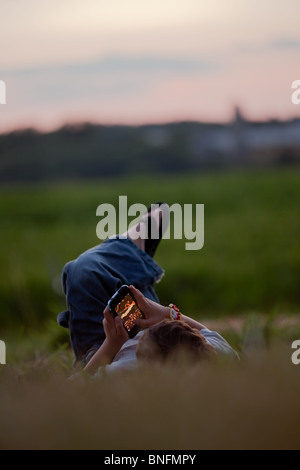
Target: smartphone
{"type": "Point", "coordinates": [122, 304]}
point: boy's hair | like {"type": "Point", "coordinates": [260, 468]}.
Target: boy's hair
{"type": "Point", "coordinates": [173, 340]}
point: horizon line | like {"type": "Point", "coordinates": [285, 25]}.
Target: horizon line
{"type": "Point", "coordinates": [91, 123]}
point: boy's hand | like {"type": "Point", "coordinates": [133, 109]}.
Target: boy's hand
{"type": "Point", "coordinates": [153, 311]}
{"type": "Point", "coordinates": [115, 333]}
{"type": "Point", "coordinates": [116, 336]}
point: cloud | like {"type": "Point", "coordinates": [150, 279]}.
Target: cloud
{"type": "Point", "coordinates": [273, 45]}
{"type": "Point", "coordinates": [285, 43]}
{"type": "Point", "coordinates": [110, 78]}
{"type": "Point", "coordinates": [114, 64]}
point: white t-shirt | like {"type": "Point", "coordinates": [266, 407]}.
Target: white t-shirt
{"type": "Point", "coordinates": [126, 358]}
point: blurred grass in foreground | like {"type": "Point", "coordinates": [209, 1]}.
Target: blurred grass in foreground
{"type": "Point", "coordinates": [249, 404]}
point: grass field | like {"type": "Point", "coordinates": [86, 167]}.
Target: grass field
{"type": "Point", "coordinates": [253, 404]}
{"type": "Point", "coordinates": [245, 282]}
{"type": "Point", "coordinates": [250, 259]}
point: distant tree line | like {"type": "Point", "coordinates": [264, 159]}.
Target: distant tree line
{"type": "Point", "coordinates": [96, 151]}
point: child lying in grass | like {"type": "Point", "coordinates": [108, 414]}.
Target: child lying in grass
{"type": "Point", "coordinates": [89, 282]}
{"type": "Point", "coordinates": [161, 339]}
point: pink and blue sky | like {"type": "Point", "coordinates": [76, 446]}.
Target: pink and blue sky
{"type": "Point", "coordinates": [138, 61]}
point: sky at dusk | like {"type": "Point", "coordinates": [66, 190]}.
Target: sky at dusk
{"type": "Point", "coordinates": [137, 61]}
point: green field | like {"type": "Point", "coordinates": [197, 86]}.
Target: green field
{"type": "Point", "coordinates": [250, 262]}
{"type": "Point", "coordinates": [250, 259]}
{"type": "Point", "coordinates": [244, 282]}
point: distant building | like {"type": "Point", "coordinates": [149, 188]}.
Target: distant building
{"type": "Point", "coordinates": [240, 141]}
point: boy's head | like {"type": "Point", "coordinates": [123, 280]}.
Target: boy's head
{"type": "Point", "coordinates": [171, 341]}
